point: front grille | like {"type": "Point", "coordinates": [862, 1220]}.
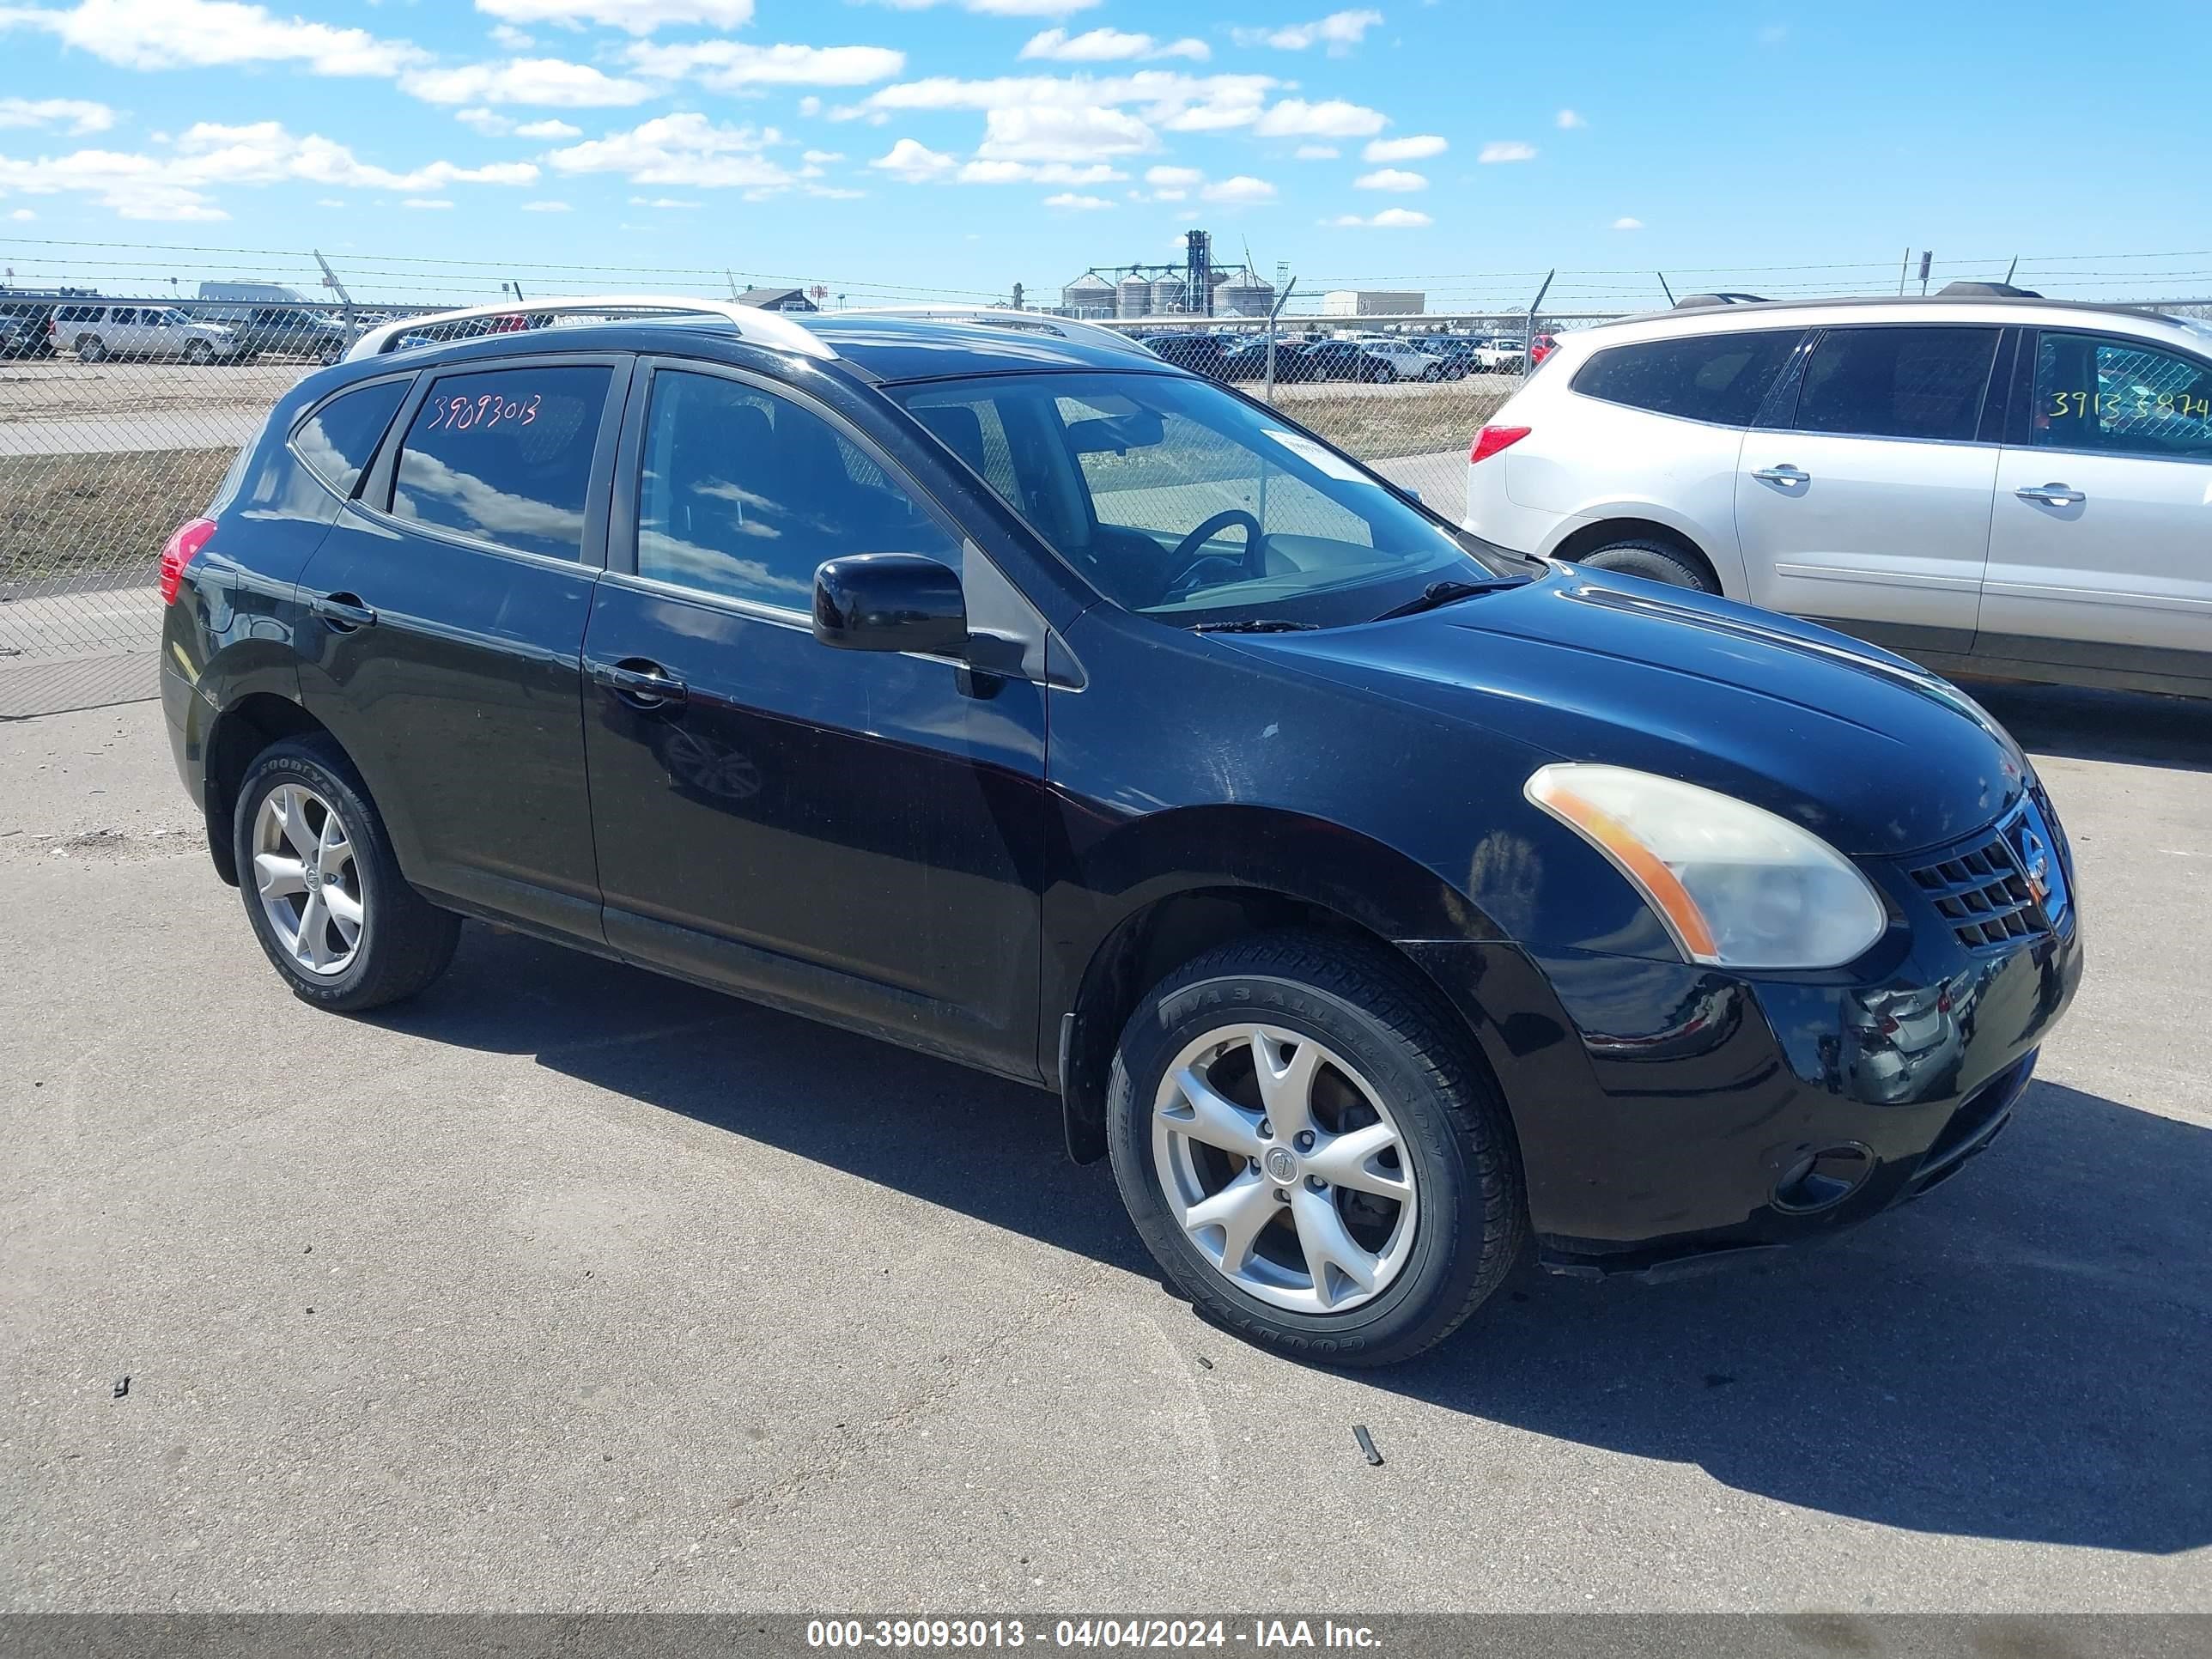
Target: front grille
{"type": "Point", "coordinates": [1982, 891]}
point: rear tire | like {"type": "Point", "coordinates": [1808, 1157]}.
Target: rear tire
{"type": "Point", "coordinates": [322, 890]}
{"type": "Point", "coordinates": [1418, 1215]}
{"type": "Point", "coordinates": [1654, 561]}
{"type": "Point", "coordinates": [91, 348]}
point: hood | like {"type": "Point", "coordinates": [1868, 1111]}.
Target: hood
{"type": "Point", "coordinates": [1875, 755]}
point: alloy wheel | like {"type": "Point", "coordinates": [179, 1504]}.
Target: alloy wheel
{"type": "Point", "coordinates": [1284, 1167]}
{"type": "Point", "coordinates": [310, 885]}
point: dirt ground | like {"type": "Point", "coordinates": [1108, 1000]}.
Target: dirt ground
{"type": "Point", "coordinates": [73, 515]}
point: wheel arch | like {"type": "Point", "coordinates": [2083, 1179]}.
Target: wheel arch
{"type": "Point", "coordinates": [1585, 539]}
{"type": "Point", "coordinates": [236, 738]}
{"type": "Point", "coordinates": [1099, 963]}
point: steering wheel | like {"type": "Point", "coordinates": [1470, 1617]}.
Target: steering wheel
{"type": "Point", "coordinates": [1254, 563]}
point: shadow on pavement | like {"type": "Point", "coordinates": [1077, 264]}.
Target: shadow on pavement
{"type": "Point", "coordinates": [2022, 1355]}
{"type": "Point", "coordinates": [2083, 723]}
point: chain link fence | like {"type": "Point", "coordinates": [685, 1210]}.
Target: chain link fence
{"type": "Point", "coordinates": [118, 419]}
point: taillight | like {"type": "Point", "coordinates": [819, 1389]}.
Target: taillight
{"type": "Point", "coordinates": [181, 551]}
{"type": "Point", "coordinates": [1492, 439]}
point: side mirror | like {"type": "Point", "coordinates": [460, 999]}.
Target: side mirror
{"type": "Point", "coordinates": [1411, 494]}
{"type": "Point", "coordinates": [890, 602]}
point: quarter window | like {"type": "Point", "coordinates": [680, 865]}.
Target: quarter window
{"type": "Point", "coordinates": [337, 439]}
{"type": "Point", "coordinates": [505, 456]}
{"type": "Point", "coordinates": [2095, 393]}
{"type": "Point", "coordinates": [1722, 378]}
{"type": "Point", "coordinates": [1898, 382]}
{"type": "Point", "coordinates": [744, 493]}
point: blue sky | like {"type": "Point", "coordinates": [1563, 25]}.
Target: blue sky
{"type": "Point", "coordinates": [963, 145]}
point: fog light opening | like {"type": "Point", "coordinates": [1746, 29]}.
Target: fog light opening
{"type": "Point", "coordinates": [1824, 1179]}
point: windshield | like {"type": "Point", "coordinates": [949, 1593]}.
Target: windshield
{"type": "Point", "coordinates": [1180, 500]}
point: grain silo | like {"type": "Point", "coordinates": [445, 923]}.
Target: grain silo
{"type": "Point", "coordinates": [1167, 295]}
{"type": "Point", "coordinates": [1246, 295]}
{"type": "Point", "coordinates": [1088, 296]}
{"type": "Point", "coordinates": [1132, 297]}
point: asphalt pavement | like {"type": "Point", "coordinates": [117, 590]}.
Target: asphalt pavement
{"type": "Point", "coordinates": [567, 1286]}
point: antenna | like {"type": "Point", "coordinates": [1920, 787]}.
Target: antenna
{"type": "Point", "coordinates": [2011, 268]}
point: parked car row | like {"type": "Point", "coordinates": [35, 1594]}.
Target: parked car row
{"type": "Point", "coordinates": [1375, 359]}
{"type": "Point", "coordinates": [97, 330]}
{"type": "Point", "coordinates": [1989, 483]}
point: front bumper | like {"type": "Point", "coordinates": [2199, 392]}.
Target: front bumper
{"type": "Point", "coordinates": [1672, 1117]}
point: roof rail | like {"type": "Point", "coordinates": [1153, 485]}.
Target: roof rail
{"type": "Point", "coordinates": [768, 328]}
{"type": "Point", "coordinates": [1037, 322]}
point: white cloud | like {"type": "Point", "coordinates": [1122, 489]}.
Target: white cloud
{"type": "Point", "coordinates": [1024, 134]}
{"type": "Point", "coordinates": [1294, 118]}
{"type": "Point", "coordinates": [80, 115]}
{"type": "Point", "coordinates": [1507, 149]}
{"type": "Point", "coordinates": [330, 201]}
{"type": "Point", "coordinates": [1044, 173]}
{"type": "Point", "coordinates": [1109, 45]}
{"type": "Point", "coordinates": [1243, 191]}
{"type": "Point", "coordinates": [1165, 96]}
{"type": "Point", "coordinates": [1081, 204]}
{"type": "Point", "coordinates": [912, 161]}
{"type": "Point", "coordinates": [22, 215]}
{"type": "Point", "coordinates": [659, 202]}
{"type": "Point", "coordinates": [548, 130]}
{"type": "Point", "coordinates": [490, 123]}
{"type": "Point", "coordinates": [638, 16]}
{"type": "Point", "coordinates": [169, 34]}
{"type": "Point", "coordinates": [1567, 121]}
{"type": "Point", "coordinates": [1391, 179]}
{"type": "Point", "coordinates": [732, 65]}
{"type": "Point", "coordinates": [543, 205]}
{"type": "Point", "coordinates": [178, 184]}
{"type": "Point", "coordinates": [507, 38]}
{"type": "Point", "coordinates": [424, 202]}
{"type": "Point", "coordinates": [1628, 224]}
{"type": "Point", "coordinates": [1003, 8]}
{"type": "Point", "coordinates": [1317, 152]}
{"type": "Point", "coordinates": [685, 149]}
{"type": "Point", "coordinates": [1174, 177]}
{"type": "Point", "coordinates": [1389, 219]}
{"type": "Point", "coordinates": [1340, 31]}
{"type": "Point", "coordinates": [1405, 150]}
{"type": "Point", "coordinates": [542, 80]}
{"type": "Point", "coordinates": [822, 158]}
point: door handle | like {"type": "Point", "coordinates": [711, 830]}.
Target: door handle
{"type": "Point", "coordinates": [2051, 495]}
{"type": "Point", "coordinates": [637, 681]}
{"type": "Point", "coordinates": [344, 611]}
{"type": "Point", "coordinates": [1783, 474]}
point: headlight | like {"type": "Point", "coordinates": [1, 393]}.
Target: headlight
{"type": "Point", "coordinates": [1735, 885]}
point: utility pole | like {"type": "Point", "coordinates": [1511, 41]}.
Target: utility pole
{"type": "Point", "coordinates": [1018, 296]}
{"type": "Point", "coordinates": [1528, 333]}
{"type": "Point", "coordinates": [1282, 299]}
{"type": "Point", "coordinates": [1903, 266]}
{"type": "Point", "coordinates": [331, 280]}
{"type": "Point", "coordinates": [1663, 288]}
{"type": "Point", "coordinates": [2011, 268]}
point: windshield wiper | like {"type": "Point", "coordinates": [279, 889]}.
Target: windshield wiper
{"type": "Point", "coordinates": [1253, 625]}
{"type": "Point", "coordinates": [1443, 592]}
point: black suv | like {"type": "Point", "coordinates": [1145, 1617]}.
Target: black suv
{"type": "Point", "coordinates": [1376, 899]}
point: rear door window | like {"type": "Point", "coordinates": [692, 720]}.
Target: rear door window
{"type": "Point", "coordinates": [505, 456]}
{"type": "Point", "coordinates": [338, 441]}
{"type": "Point", "coordinates": [1898, 381]}
{"type": "Point", "coordinates": [2120, 396]}
{"type": "Point", "coordinates": [1720, 378]}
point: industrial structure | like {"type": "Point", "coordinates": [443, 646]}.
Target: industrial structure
{"type": "Point", "coordinates": [1196, 288]}
{"type": "Point", "coordinates": [1373, 302]}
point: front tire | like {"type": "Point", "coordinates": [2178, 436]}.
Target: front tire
{"type": "Point", "coordinates": [91, 348]}
{"type": "Point", "coordinates": [1311, 1153]}
{"type": "Point", "coordinates": [322, 889]}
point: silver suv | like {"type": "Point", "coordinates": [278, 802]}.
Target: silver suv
{"type": "Point", "coordinates": [2000, 485]}
{"type": "Point", "coordinates": [100, 331]}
